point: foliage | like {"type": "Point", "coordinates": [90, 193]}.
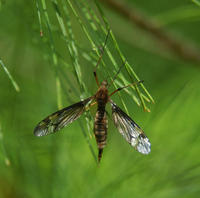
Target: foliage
{"type": "Point", "coordinates": [55, 70]}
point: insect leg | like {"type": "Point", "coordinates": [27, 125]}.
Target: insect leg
{"type": "Point", "coordinates": [120, 88]}
{"type": "Point", "coordinates": [116, 74]}
{"type": "Point", "coordinates": [91, 105]}
{"type": "Point", "coordinates": [100, 57]}
{"type": "Point", "coordinates": [96, 78]}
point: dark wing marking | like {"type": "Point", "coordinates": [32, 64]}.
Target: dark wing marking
{"type": "Point", "coordinates": [61, 118]}
{"type": "Point", "coordinates": [130, 130]}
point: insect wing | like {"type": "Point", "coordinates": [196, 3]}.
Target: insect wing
{"type": "Point", "coordinates": [130, 130]}
{"type": "Point", "coordinates": [61, 118]}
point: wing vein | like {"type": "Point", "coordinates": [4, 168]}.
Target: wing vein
{"type": "Point", "coordinates": [132, 133]}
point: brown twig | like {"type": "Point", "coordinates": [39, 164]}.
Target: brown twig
{"type": "Point", "coordinates": [181, 49]}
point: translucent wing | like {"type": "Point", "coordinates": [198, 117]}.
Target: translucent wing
{"type": "Point", "coordinates": [130, 130]}
{"type": "Point", "coordinates": [61, 118]}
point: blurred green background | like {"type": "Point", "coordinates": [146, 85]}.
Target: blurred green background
{"type": "Point", "coordinates": [61, 165]}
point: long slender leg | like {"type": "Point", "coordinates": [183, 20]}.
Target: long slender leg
{"type": "Point", "coordinates": [91, 105]}
{"type": "Point", "coordinates": [100, 57]}
{"type": "Point", "coordinates": [120, 88]}
{"type": "Point", "coordinates": [116, 74]}
{"type": "Point", "coordinates": [96, 78]}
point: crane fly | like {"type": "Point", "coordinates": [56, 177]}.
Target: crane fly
{"type": "Point", "coordinates": [132, 133]}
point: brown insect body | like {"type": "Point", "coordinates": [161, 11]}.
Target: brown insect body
{"type": "Point", "coordinates": [132, 133]}
{"type": "Point", "coordinates": [101, 122]}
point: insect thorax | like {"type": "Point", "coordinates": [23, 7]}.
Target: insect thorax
{"type": "Point", "coordinates": [102, 96]}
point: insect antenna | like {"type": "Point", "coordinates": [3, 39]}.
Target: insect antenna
{"type": "Point", "coordinates": [132, 84]}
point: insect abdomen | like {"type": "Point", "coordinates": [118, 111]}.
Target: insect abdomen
{"type": "Point", "coordinates": [100, 128]}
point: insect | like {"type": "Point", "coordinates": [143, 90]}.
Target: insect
{"type": "Point", "coordinates": [132, 133]}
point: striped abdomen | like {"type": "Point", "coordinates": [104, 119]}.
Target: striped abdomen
{"type": "Point", "coordinates": [100, 128]}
